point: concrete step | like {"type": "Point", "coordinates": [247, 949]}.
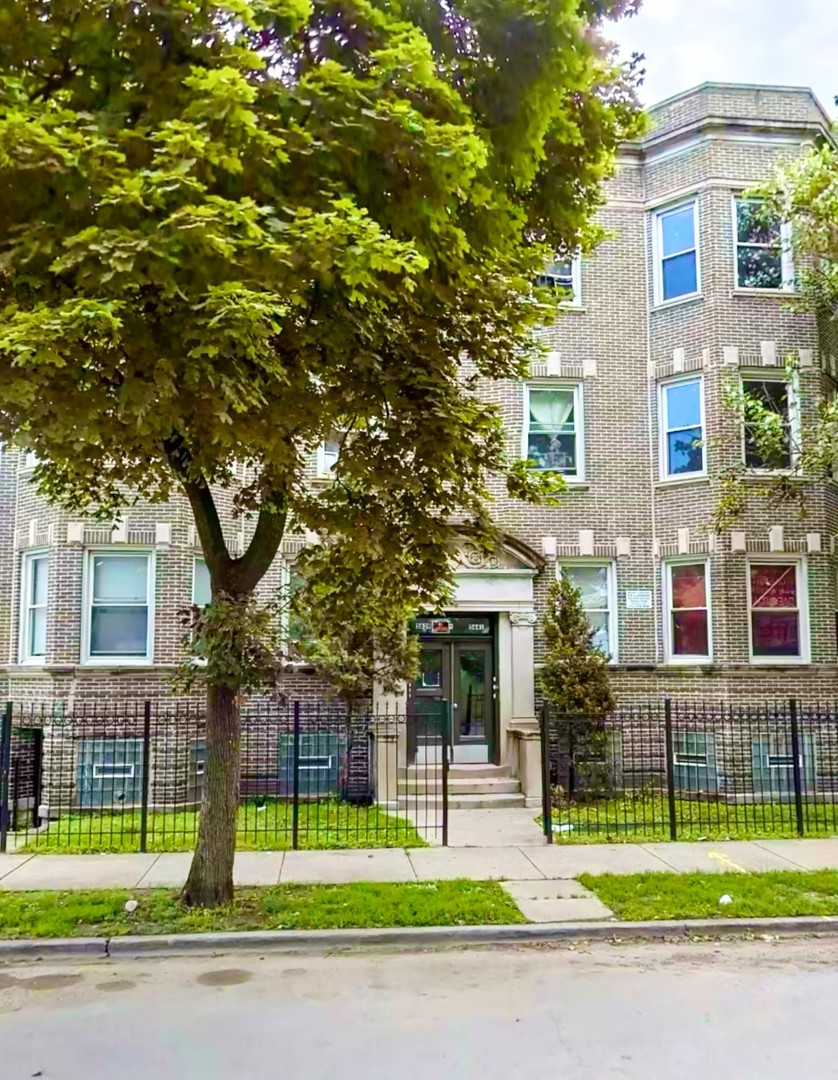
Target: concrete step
{"type": "Point", "coordinates": [466, 802]}
{"type": "Point", "coordinates": [456, 772]}
{"type": "Point", "coordinates": [477, 785]}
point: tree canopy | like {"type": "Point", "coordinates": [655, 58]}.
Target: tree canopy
{"type": "Point", "coordinates": [230, 229]}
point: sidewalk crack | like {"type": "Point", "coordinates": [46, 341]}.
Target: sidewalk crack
{"type": "Point", "coordinates": [536, 868]}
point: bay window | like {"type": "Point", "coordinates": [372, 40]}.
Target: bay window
{"type": "Point", "coordinates": [687, 605]}
{"type": "Point", "coordinates": [119, 608]}
{"type": "Point", "coordinates": [676, 252]}
{"type": "Point", "coordinates": [777, 398]}
{"type": "Point", "coordinates": [681, 425]}
{"type": "Point", "coordinates": [763, 248]}
{"type": "Point", "coordinates": [777, 610]}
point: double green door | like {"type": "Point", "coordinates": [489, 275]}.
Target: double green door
{"type": "Point", "coordinates": [460, 672]}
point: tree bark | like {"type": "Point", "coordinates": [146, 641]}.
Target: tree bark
{"type": "Point", "coordinates": [210, 880]}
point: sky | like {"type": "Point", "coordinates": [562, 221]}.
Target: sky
{"type": "Point", "coordinates": [687, 42]}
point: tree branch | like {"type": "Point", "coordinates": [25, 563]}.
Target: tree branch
{"type": "Point", "coordinates": [204, 510]}
{"type": "Point", "coordinates": [245, 573]}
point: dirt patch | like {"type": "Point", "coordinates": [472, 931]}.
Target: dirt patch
{"type": "Point", "coordinates": [116, 985]}
{"type": "Point", "coordinates": [224, 977]}
{"type": "Point", "coordinates": [48, 982]}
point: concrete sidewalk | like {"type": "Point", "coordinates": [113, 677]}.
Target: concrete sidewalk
{"type": "Point", "coordinates": [515, 864]}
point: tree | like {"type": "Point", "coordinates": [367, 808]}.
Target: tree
{"type": "Point", "coordinates": [575, 682]}
{"type": "Point", "coordinates": [229, 229]}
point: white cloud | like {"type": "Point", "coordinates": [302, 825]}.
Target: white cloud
{"type": "Point", "coordinates": [686, 42]}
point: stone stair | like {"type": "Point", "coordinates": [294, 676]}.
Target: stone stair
{"type": "Point", "coordinates": [480, 787]}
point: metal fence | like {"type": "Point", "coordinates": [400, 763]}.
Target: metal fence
{"type": "Point", "coordinates": [675, 770]}
{"type": "Point", "coordinates": [130, 777]}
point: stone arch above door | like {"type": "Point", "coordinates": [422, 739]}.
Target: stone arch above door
{"type": "Point", "coordinates": [500, 580]}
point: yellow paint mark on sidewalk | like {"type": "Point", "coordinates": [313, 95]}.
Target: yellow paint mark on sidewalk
{"type": "Point", "coordinates": [726, 860]}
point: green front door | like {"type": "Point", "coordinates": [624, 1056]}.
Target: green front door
{"type": "Point", "coordinates": [472, 700]}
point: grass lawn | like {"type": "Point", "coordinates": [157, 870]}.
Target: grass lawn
{"type": "Point", "coordinates": [100, 912]}
{"type": "Point", "coordinates": [696, 896]}
{"type": "Point", "coordinates": [646, 818]}
{"type": "Point", "coordinates": [264, 827]}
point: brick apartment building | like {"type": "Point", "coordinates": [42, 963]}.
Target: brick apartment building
{"type": "Point", "coordinates": [687, 294]}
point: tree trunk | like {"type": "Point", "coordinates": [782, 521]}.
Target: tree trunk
{"type": "Point", "coordinates": [210, 881]}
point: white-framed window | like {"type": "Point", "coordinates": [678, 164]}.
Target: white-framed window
{"type": "Point", "coordinates": [688, 633]}
{"type": "Point", "coordinates": [553, 429]}
{"type": "Point", "coordinates": [34, 590]}
{"type": "Point", "coordinates": [597, 584]}
{"type": "Point", "coordinates": [778, 624]}
{"type": "Point", "coordinates": [675, 246]}
{"type": "Point", "coordinates": [30, 460]}
{"type": "Point", "coordinates": [565, 274]}
{"type": "Point", "coordinates": [681, 412]}
{"type": "Point", "coordinates": [327, 454]}
{"type": "Point", "coordinates": [762, 248]}
{"type": "Point", "coordinates": [201, 585]}
{"type": "Point", "coordinates": [118, 624]}
{"type": "Point", "coordinates": [777, 393]}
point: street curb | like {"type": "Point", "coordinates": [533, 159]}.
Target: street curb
{"type": "Point", "coordinates": [418, 937]}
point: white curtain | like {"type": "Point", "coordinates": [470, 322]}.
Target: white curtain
{"type": "Point", "coordinates": [551, 409]}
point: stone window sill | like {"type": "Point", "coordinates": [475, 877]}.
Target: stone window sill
{"type": "Point", "coordinates": [765, 294]}
{"type": "Point", "coordinates": [677, 301]}
{"type": "Point", "coordinates": [682, 481]}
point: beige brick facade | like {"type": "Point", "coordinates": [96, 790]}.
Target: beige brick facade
{"type": "Point", "coordinates": [618, 344]}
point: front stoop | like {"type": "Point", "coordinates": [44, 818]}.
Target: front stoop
{"type": "Point", "coordinates": [478, 787]}
{"type": "Point", "coordinates": [556, 901]}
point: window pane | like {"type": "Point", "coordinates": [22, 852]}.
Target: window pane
{"type": "Point", "coordinates": [558, 273]}
{"type": "Point", "coordinates": [752, 226]}
{"type": "Point", "coordinates": [553, 452]}
{"type": "Point", "coordinates": [592, 583]}
{"type": "Point", "coordinates": [40, 581]}
{"type": "Point", "coordinates": [688, 586]}
{"type": "Point", "coordinates": [775, 633]}
{"type": "Point", "coordinates": [683, 405]}
{"type": "Point", "coordinates": [120, 577]}
{"type": "Point", "coordinates": [755, 460]}
{"type": "Point", "coordinates": [678, 231]}
{"type": "Point", "coordinates": [759, 268]}
{"type": "Point", "coordinates": [298, 630]}
{"type": "Point", "coordinates": [679, 276]}
{"type": "Point", "coordinates": [118, 631]}
{"type": "Point", "coordinates": [201, 587]}
{"type": "Point", "coordinates": [552, 410]}
{"type": "Point", "coordinates": [773, 393]}
{"type": "Point", "coordinates": [774, 586]}
{"type": "Point", "coordinates": [329, 453]}
{"type": "Point", "coordinates": [38, 632]}
{"type": "Point", "coordinates": [689, 633]}
{"type": "Point", "coordinates": [685, 450]}
{"type": "Point", "coordinates": [430, 663]}
{"type": "Point", "coordinates": [599, 624]}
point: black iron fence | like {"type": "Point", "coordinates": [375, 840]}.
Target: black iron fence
{"type": "Point", "coordinates": [675, 770]}
{"type": "Point", "coordinates": [130, 777]}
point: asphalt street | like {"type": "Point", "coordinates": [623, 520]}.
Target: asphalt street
{"type": "Point", "coordinates": [638, 1012]}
